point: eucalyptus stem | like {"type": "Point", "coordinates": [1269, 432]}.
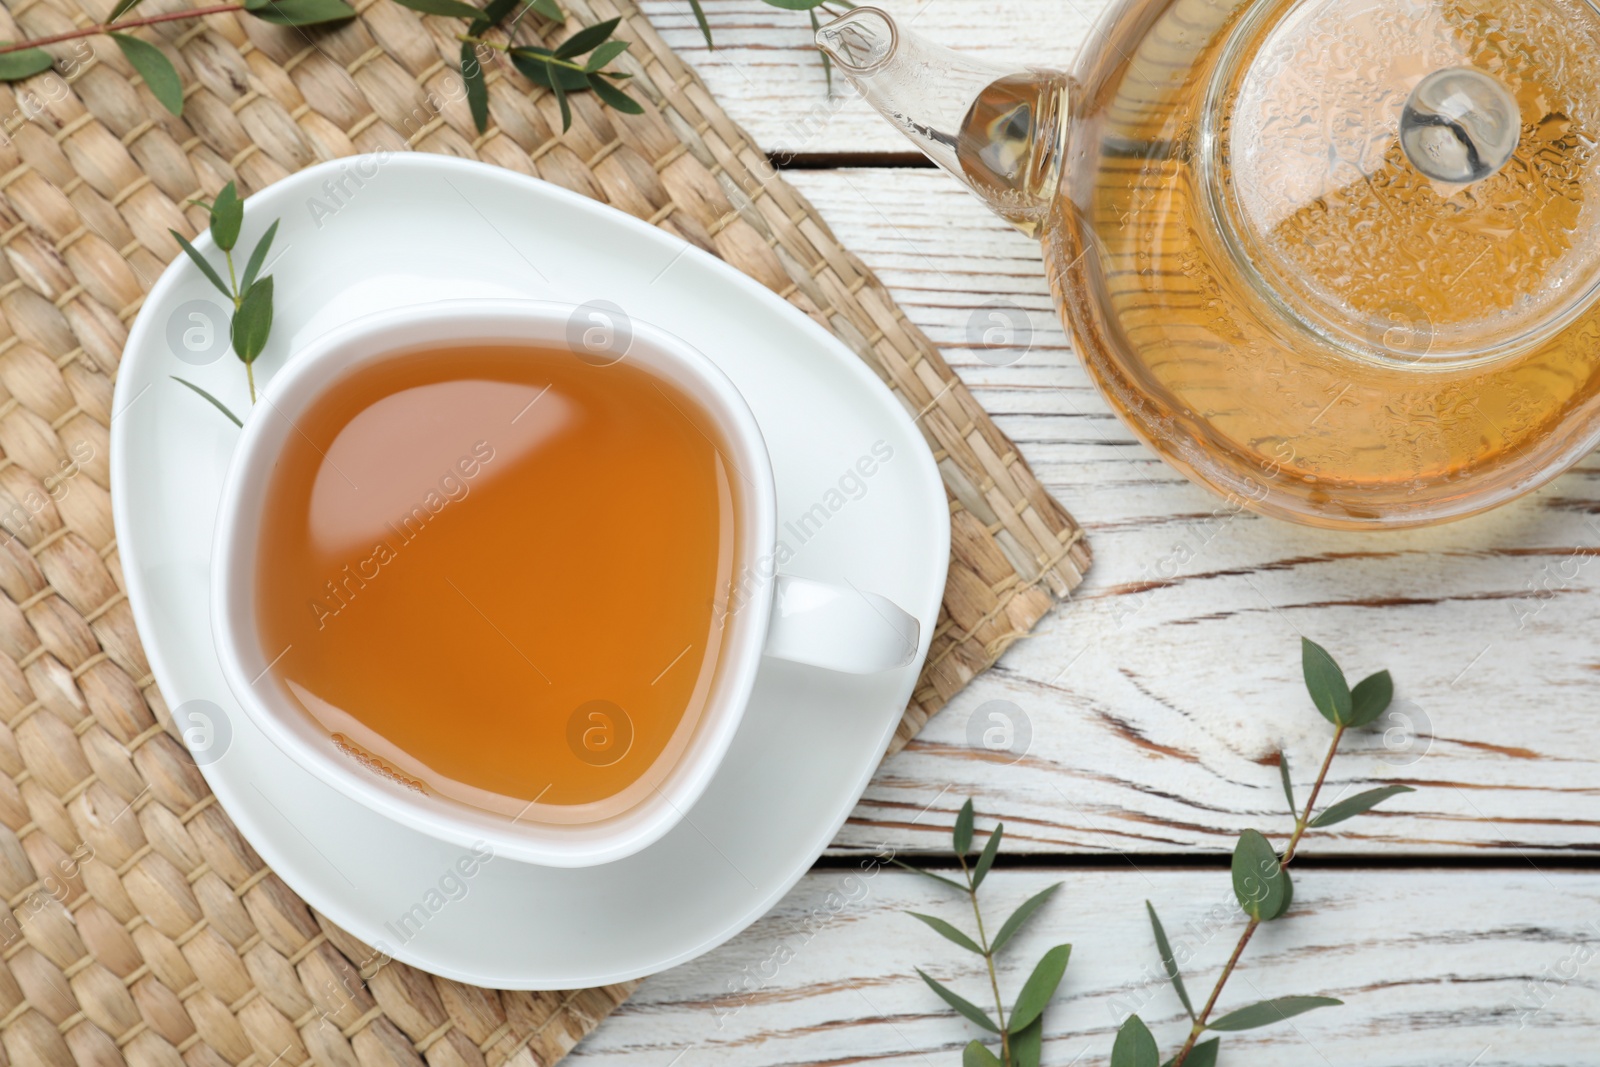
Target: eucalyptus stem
{"type": "Point", "coordinates": [1322, 775]}
{"type": "Point", "coordinates": [988, 958]}
{"type": "Point", "coordinates": [124, 24]}
{"type": "Point", "coordinates": [1301, 824]}
{"type": "Point", "coordinates": [465, 38]}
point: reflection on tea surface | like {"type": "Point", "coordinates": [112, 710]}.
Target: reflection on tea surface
{"type": "Point", "coordinates": [490, 573]}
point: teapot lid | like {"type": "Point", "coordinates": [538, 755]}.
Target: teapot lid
{"type": "Point", "coordinates": [1415, 180]}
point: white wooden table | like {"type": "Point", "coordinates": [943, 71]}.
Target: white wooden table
{"type": "Point", "coordinates": [1457, 925]}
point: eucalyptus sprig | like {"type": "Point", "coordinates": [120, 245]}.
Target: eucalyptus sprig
{"type": "Point", "coordinates": [23, 59]}
{"type": "Point", "coordinates": [251, 322]}
{"type": "Point", "coordinates": [1022, 1035]}
{"type": "Point", "coordinates": [560, 69]}
{"type": "Point", "coordinates": [1261, 880]}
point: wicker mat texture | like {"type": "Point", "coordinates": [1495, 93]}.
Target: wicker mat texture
{"type": "Point", "coordinates": [163, 939]}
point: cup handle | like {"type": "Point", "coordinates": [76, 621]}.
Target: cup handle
{"type": "Point", "coordinates": [839, 628]}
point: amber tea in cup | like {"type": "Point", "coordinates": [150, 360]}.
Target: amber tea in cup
{"type": "Point", "coordinates": [492, 573]}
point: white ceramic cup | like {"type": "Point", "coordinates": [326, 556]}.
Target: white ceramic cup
{"type": "Point", "coordinates": [825, 626]}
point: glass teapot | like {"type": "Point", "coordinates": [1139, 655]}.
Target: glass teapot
{"type": "Point", "coordinates": [1334, 259]}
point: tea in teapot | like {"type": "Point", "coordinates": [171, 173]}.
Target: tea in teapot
{"type": "Point", "coordinates": [1335, 258]}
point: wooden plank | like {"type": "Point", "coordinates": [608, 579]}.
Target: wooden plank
{"type": "Point", "coordinates": [768, 76]}
{"type": "Point", "coordinates": [1435, 968]}
{"type": "Point", "coordinates": [1159, 700]}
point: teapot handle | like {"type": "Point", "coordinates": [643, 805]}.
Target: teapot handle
{"type": "Point", "coordinates": [1002, 133]}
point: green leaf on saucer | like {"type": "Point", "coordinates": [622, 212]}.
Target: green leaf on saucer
{"type": "Point", "coordinates": [227, 215]}
{"type": "Point", "coordinates": [200, 261]}
{"type": "Point", "coordinates": [219, 405]}
{"type": "Point", "coordinates": [258, 258]}
{"type": "Point", "coordinates": [252, 323]}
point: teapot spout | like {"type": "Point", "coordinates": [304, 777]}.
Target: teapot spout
{"type": "Point", "coordinates": [1001, 132]}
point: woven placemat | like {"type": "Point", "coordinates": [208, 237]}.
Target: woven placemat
{"type": "Point", "coordinates": [162, 938]}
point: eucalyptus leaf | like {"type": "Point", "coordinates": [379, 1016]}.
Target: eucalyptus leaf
{"type": "Point", "coordinates": [1325, 682]}
{"type": "Point", "coordinates": [561, 101]}
{"type": "Point", "coordinates": [122, 8]}
{"type": "Point", "coordinates": [961, 836]}
{"type": "Point", "coordinates": [613, 97]}
{"type": "Point", "coordinates": [227, 215]}
{"type": "Point", "coordinates": [1361, 802]}
{"type": "Point", "coordinates": [991, 849]}
{"type": "Point", "coordinates": [1370, 698]}
{"type": "Point", "coordinates": [1202, 1055]}
{"type": "Point", "coordinates": [977, 1055]}
{"type": "Point", "coordinates": [549, 9]}
{"type": "Point", "coordinates": [1288, 787]}
{"type": "Point", "coordinates": [1024, 912]}
{"type": "Point", "coordinates": [477, 89]}
{"type": "Point", "coordinates": [1135, 1046]}
{"type": "Point", "coordinates": [1268, 1012]}
{"type": "Point", "coordinates": [258, 258]}
{"type": "Point", "coordinates": [304, 12]}
{"type": "Point", "coordinates": [156, 70]}
{"type": "Point", "coordinates": [200, 261]}
{"type": "Point", "coordinates": [453, 9]}
{"type": "Point", "coordinates": [1027, 1044]}
{"type": "Point", "coordinates": [252, 323]}
{"type": "Point", "coordinates": [587, 39]}
{"type": "Point", "coordinates": [952, 883]}
{"type": "Point", "coordinates": [1168, 961]}
{"type": "Point", "coordinates": [796, 5]}
{"type": "Point", "coordinates": [219, 405]}
{"type": "Point", "coordinates": [948, 932]}
{"type": "Point", "coordinates": [14, 66]}
{"type": "Point", "coordinates": [1040, 986]}
{"type": "Point", "coordinates": [493, 12]}
{"type": "Point", "coordinates": [534, 64]}
{"type": "Point", "coordinates": [1259, 881]}
{"type": "Point", "coordinates": [605, 54]}
{"type": "Point", "coordinates": [700, 20]}
{"type": "Point", "coordinates": [965, 1007]}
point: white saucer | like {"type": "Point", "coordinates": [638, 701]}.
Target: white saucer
{"type": "Point", "coordinates": [430, 227]}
